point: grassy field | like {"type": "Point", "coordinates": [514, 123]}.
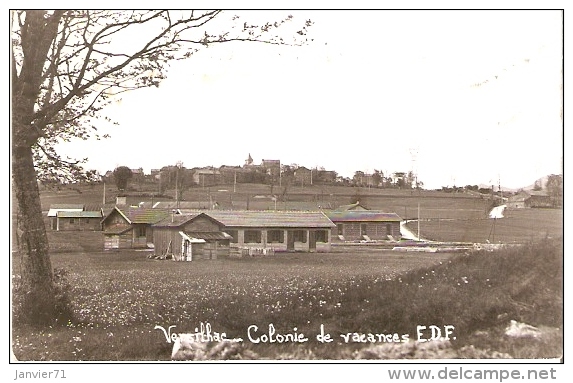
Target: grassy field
{"type": "Point", "coordinates": [517, 226]}
{"type": "Point", "coordinates": [118, 299]}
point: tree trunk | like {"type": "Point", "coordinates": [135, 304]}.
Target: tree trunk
{"type": "Point", "coordinates": [38, 296]}
{"type": "Point", "coordinates": [35, 301]}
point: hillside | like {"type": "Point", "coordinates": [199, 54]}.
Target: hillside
{"type": "Point", "coordinates": [461, 216]}
{"type": "Point", "coordinates": [260, 197]}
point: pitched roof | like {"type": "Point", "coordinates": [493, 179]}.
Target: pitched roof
{"type": "Point", "coordinates": [79, 214]}
{"type": "Point", "coordinates": [191, 239]}
{"type": "Point", "coordinates": [182, 205]}
{"type": "Point", "coordinates": [176, 220]}
{"type": "Point", "coordinates": [265, 218]}
{"type": "Point", "coordinates": [141, 215]}
{"type": "Point", "coordinates": [212, 235]}
{"type": "Point", "coordinates": [537, 193]}
{"type": "Point", "coordinates": [67, 206]}
{"type": "Point", "coordinates": [94, 207]}
{"type": "Point", "coordinates": [527, 194]}
{"type": "Point", "coordinates": [363, 216]}
{"type": "Point", "coordinates": [352, 206]}
{"type": "Point", "coordinates": [55, 208]}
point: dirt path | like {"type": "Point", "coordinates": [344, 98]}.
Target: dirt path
{"type": "Point", "coordinates": [407, 233]}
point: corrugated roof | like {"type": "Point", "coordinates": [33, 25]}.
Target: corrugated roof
{"type": "Point", "coordinates": [67, 206]}
{"type": "Point", "coordinates": [352, 206]}
{"type": "Point", "coordinates": [79, 214]}
{"type": "Point", "coordinates": [212, 235]}
{"type": "Point", "coordinates": [55, 208]}
{"type": "Point", "coordinates": [191, 239]}
{"type": "Point", "coordinates": [363, 216]}
{"type": "Point", "coordinates": [93, 207]}
{"type": "Point", "coordinates": [259, 218]}
{"type": "Point", "coordinates": [175, 220]}
{"type": "Point", "coordinates": [182, 205]}
{"type": "Point", "coordinates": [143, 215]}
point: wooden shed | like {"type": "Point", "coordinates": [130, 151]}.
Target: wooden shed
{"type": "Point", "coordinates": [66, 207]}
{"type": "Point", "coordinates": [365, 225]}
{"type": "Point", "coordinates": [189, 237]}
{"type": "Point", "coordinates": [79, 220]}
{"type": "Point", "coordinates": [130, 227]}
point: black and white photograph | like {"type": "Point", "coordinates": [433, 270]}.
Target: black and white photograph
{"type": "Point", "coordinates": [287, 186]}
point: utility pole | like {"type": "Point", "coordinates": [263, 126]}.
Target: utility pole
{"type": "Point", "coordinates": [177, 187]}
{"type": "Point", "coordinates": [178, 165]}
{"type": "Point", "coordinates": [419, 221]}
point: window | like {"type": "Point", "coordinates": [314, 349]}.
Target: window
{"type": "Point", "coordinates": [363, 230]}
{"type": "Point", "coordinates": [252, 236]}
{"type": "Point", "coordinates": [234, 234]}
{"type": "Point", "coordinates": [322, 236]}
{"type": "Point", "coordinates": [388, 229]}
{"type": "Point", "coordinates": [275, 236]}
{"type": "Point", "coordinates": [87, 220]}
{"type": "Point", "coordinates": [72, 221]}
{"type": "Point", "coordinates": [340, 229]}
{"type": "Point", "coordinates": [140, 231]}
{"type": "Point", "coordinates": [299, 236]}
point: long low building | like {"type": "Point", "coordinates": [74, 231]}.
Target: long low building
{"type": "Point", "coordinates": [303, 231]}
{"type": "Point", "coordinates": [78, 220]}
{"type": "Point", "coordinates": [365, 225]}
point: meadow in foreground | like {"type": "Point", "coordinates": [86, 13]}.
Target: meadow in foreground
{"type": "Point", "coordinates": [119, 299]}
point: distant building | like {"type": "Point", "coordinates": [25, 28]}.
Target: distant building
{"type": "Point", "coordinates": [368, 180]}
{"type": "Point", "coordinates": [529, 199]}
{"type": "Point", "coordinates": [365, 225]}
{"type": "Point", "coordinates": [325, 177]}
{"type": "Point", "coordinates": [78, 217]}
{"type": "Point", "coordinates": [155, 175]}
{"type": "Point", "coordinates": [206, 176]}
{"type": "Point", "coordinates": [79, 220]}
{"type": "Point", "coordinates": [303, 176]}
{"type": "Point", "coordinates": [272, 168]}
{"type": "Point", "coordinates": [233, 174]}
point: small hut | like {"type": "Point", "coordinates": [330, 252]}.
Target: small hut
{"type": "Point", "coordinates": [189, 237]}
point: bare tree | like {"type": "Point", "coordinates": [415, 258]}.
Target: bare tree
{"type": "Point", "coordinates": [66, 67]}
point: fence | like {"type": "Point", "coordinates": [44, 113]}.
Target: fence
{"type": "Point", "coordinates": [254, 251]}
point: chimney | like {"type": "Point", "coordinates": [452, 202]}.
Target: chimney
{"type": "Point", "coordinates": [121, 200]}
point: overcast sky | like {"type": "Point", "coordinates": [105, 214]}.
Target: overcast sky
{"type": "Point", "coordinates": [459, 97]}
